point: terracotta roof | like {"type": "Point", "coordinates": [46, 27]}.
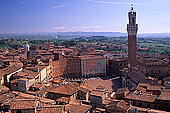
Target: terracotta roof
{"type": "Point", "coordinates": [63, 99]}
{"type": "Point", "coordinates": [36, 68]}
{"type": "Point", "coordinates": [139, 88]}
{"type": "Point", "coordinates": [51, 109]}
{"type": "Point", "coordinates": [93, 83]}
{"type": "Point", "coordinates": [118, 104]}
{"type": "Point", "coordinates": [120, 59]}
{"type": "Point", "coordinates": [3, 89]}
{"type": "Point", "coordinates": [67, 88]}
{"type": "Point", "coordinates": [91, 57]}
{"type": "Point", "coordinates": [24, 95]}
{"type": "Point", "coordinates": [8, 102]}
{"type": "Point", "coordinates": [9, 60]}
{"type": "Point", "coordinates": [75, 101]}
{"type": "Point", "coordinates": [141, 97]}
{"type": "Point", "coordinates": [28, 96]}
{"type": "Point", "coordinates": [144, 84]}
{"type": "Point", "coordinates": [74, 108]}
{"type": "Point", "coordinates": [23, 104]}
{"type": "Point", "coordinates": [97, 93]}
{"type": "Point", "coordinates": [83, 89]}
{"type": "Point", "coordinates": [12, 68]}
{"type": "Point", "coordinates": [165, 95]}
{"type": "Point", "coordinates": [43, 90]}
{"type": "Point", "coordinates": [124, 105]}
{"type": "Point", "coordinates": [47, 101]}
{"type": "Point", "coordinates": [144, 110]}
{"type": "Point", "coordinates": [6, 97]}
{"type": "Point", "coordinates": [13, 53]}
{"type": "Point", "coordinates": [15, 81]}
{"type": "Point", "coordinates": [26, 74]}
{"type": "Point", "coordinates": [106, 102]}
{"type": "Point", "coordinates": [121, 90]}
{"type": "Point", "coordinates": [37, 85]}
{"type": "Point", "coordinates": [154, 87]}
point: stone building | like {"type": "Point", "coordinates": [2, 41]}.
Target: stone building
{"type": "Point", "coordinates": [32, 53]}
{"type": "Point", "coordinates": [6, 74]}
{"type": "Point", "coordinates": [144, 100]}
{"type": "Point", "coordinates": [66, 66]}
{"type": "Point", "coordinates": [115, 65]}
{"type": "Point", "coordinates": [164, 99]}
{"type": "Point", "coordinates": [154, 67]}
{"type": "Point", "coordinates": [24, 84]}
{"type": "Point", "coordinates": [92, 66]}
{"type": "Point", "coordinates": [97, 96]}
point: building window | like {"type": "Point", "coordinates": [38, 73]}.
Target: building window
{"type": "Point", "coordinates": [166, 104]}
{"type": "Point", "coordinates": [140, 104]}
{"type": "Point", "coordinates": [148, 105]}
{"type": "Point", "coordinates": [134, 103]}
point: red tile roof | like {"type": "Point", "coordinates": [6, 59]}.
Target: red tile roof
{"type": "Point", "coordinates": [51, 109]}
{"type": "Point", "coordinates": [154, 87]}
{"type": "Point", "coordinates": [3, 89]}
{"type": "Point", "coordinates": [74, 108]}
{"type": "Point", "coordinates": [141, 97]}
{"type": "Point", "coordinates": [67, 89]}
{"type": "Point", "coordinates": [92, 84]}
{"type": "Point", "coordinates": [63, 99]}
{"type": "Point", "coordinates": [165, 95]}
{"type": "Point", "coordinates": [23, 104]}
{"type": "Point", "coordinates": [91, 57]}
{"type": "Point", "coordinates": [97, 93]}
{"type": "Point", "coordinates": [12, 68]}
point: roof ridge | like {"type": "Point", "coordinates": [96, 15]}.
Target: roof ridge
{"type": "Point", "coordinates": [66, 88]}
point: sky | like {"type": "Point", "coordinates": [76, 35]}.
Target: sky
{"type": "Point", "coordinates": [29, 16]}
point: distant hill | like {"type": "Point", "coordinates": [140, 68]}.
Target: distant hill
{"type": "Point", "coordinates": [154, 35]}
{"type": "Point", "coordinates": [73, 35]}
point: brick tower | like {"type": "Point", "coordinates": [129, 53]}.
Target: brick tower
{"type": "Point", "coordinates": [132, 29]}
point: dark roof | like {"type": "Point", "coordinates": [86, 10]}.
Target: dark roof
{"type": "Point", "coordinates": [167, 79]}
{"type": "Point", "coordinates": [121, 90]}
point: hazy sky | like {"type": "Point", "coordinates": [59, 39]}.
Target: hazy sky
{"type": "Point", "coordinates": [19, 16]}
